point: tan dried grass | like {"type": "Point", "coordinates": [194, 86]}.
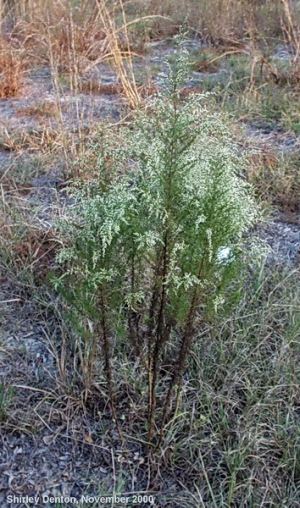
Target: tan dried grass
{"type": "Point", "coordinates": [122, 58]}
{"type": "Point", "coordinates": [11, 68]}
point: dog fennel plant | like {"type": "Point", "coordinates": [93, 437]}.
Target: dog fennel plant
{"type": "Point", "coordinates": [143, 255]}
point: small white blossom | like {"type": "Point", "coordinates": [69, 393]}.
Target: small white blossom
{"type": "Point", "coordinates": [224, 255]}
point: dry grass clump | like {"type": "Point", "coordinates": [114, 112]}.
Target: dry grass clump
{"type": "Point", "coordinates": [27, 251]}
{"type": "Point", "coordinates": [75, 47]}
{"type": "Point", "coordinates": [44, 109]}
{"type": "Point", "coordinates": [276, 178]}
{"type": "Point", "coordinates": [36, 249]}
{"type": "Point", "coordinates": [217, 21]}
{"type": "Point", "coordinates": [42, 138]}
{"type": "Point", "coordinates": [11, 68]}
{"type": "Point", "coordinates": [72, 37]}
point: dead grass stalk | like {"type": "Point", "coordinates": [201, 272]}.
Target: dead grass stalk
{"type": "Point", "coordinates": [116, 37]}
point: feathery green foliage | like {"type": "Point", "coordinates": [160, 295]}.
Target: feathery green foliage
{"type": "Point", "coordinates": [146, 255]}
